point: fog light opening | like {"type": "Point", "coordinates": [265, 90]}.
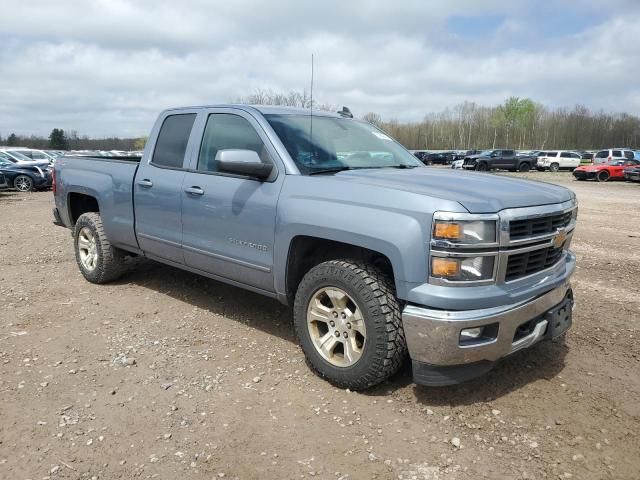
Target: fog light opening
{"type": "Point", "coordinates": [478, 335]}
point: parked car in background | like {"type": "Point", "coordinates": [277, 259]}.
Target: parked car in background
{"type": "Point", "coordinates": [14, 156]}
{"type": "Point", "coordinates": [604, 172]}
{"type": "Point", "coordinates": [632, 173]}
{"type": "Point", "coordinates": [437, 158]}
{"type": "Point", "coordinates": [34, 154]}
{"type": "Point", "coordinates": [4, 184]}
{"type": "Point", "coordinates": [559, 160]}
{"type": "Point", "coordinates": [611, 154]}
{"type": "Point", "coordinates": [26, 177]}
{"type": "Point", "coordinates": [501, 158]}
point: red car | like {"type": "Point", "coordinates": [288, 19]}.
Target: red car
{"type": "Point", "coordinates": [604, 171]}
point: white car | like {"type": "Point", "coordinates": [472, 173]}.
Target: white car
{"type": "Point", "coordinates": [35, 154]}
{"type": "Point", "coordinates": [606, 156]}
{"type": "Point", "coordinates": [557, 160]}
{"type": "Point", "coordinates": [457, 164]}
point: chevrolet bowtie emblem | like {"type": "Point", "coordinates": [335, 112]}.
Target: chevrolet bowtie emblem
{"type": "Point", "coordinates": [560, 238]}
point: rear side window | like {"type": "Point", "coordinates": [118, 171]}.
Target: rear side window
{"type": "Point", "coordinates": [226, 131]}
{"type": "Point", "coordinates": [507, 153]}
{"type": "Point", "coordinates": [628, 154]}
{"type": "Point", "coordinates": [566, 155]}
{"type": "Point", "coordinates": [617, 153]}
{"type": "Point", "coordinates": [552, 154]}
{"type": "Point", "coordinates": [172, 140]}
{"type": "Point", "coordinates": [602, 154]}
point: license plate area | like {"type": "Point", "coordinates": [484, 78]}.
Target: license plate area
{"type": "Point", "coordinates": [559, 318]}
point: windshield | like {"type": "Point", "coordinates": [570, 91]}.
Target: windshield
{"type": "Point", "coordinates": [338, 143]}
{"type": "Point", "coordinates": [19, 156]}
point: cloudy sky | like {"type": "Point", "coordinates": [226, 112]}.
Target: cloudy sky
{"type": "Point", "coordinates": [107, 67]}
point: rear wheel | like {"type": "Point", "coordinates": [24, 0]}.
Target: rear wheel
{"type": "Point", "coordinates": [23, 183]}
{"type": "Point", "coordinates": [349, 325]}
{"type": "Point", "coordinates": [554, 167]}
{"type": "Point", "coordinates": [524, 167]}
{"type": "Point", "coordinates": [97, 259]}
{"type": "Point", "coordinates": [602, 176]}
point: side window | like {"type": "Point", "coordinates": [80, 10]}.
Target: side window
{"type": "Point", "coordinates": [508, 153]}
{"type": "Point", "coordinates": [628, 154]}
{"type": "Point", "coordinates": [172, 140]}
{"type": "Point", "coordinates": [575, 155]}
{"type": "Point", "coordinates": [565, 155]}
{"type": "Point", "coordinates": [602, 154]}
{"type": "Point", "coordinates": [617, 153]}
{"type": "Point", "coordinates": [226, 131]}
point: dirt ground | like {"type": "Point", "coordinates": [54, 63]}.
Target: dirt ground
{"type": "Point", "coordinates": [168, 375]}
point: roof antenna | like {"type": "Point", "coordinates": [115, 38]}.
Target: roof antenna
{"type": "Point", "coordinates": [311, 119]}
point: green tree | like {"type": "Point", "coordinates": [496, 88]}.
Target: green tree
{"type": "Point", "coordinates": [140, 143]}
{"type": "Point", "coordinates": [58, 140]}
{"type": "Point", "coordinates": [12, 141]}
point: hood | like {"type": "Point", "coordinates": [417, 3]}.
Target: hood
{"type": "Point", "coordinates": [593, 168]}
{"type": "Point", "coordinates": [477, 192]}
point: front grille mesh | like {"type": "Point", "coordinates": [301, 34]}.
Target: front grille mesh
{"type": "Point", "coordinates": [531, 227]}
{"type": "Point", "coordinates": [528, 263]}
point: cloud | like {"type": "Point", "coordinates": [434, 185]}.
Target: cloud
{"type": "Point", "coordinates": [107, 68]}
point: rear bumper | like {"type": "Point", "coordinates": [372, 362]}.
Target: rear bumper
{"type": "Point", "coordinates": [433, 336]}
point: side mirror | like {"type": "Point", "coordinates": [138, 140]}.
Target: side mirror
{"type": "Point", "coordinates": [243, 162]}
{"type": "Point", "coordinates": [493, 155]}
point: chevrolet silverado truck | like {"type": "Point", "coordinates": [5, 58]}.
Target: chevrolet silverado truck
{"type": "Point", "coordinates": [378, 256]}
{"type": "Point", "coordinates": [502, 159]}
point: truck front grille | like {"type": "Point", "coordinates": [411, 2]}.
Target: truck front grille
{"type": "Point", "coordinates": [531, 227]}
{"type": "Point", "coordinates": [527, 263]}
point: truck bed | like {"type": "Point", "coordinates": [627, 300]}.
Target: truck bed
{"type": "Point", "coordinates": [109, 179]}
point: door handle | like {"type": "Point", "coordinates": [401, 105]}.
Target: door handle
{"type": "Point", "coordinates": [194, 191]}
{"type": "Point", "coordinates": [146, 183]}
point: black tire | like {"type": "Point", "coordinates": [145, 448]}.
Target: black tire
{"type": "Point", "coordinates": [554, 167]}
{"type": "Point", "coordinates": [524, 167]}
{"type": "Point", "coordinates": [482, 167]}
{"type": "Point", "coordinates": [385, 348]}
{"type": "Point", "coordinates": [110, 260]}
{"type": "Point", "coordinates": [602, 176]}
{"type": "Point", "coordinates": [23, 183]}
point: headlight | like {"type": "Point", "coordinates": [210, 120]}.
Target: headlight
{"type": "Point", "coordinates": [465, 231]}
{"type": "Point", "coordinates": [463, 269]}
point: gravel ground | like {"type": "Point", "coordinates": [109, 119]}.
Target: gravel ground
{"type": "Point", "coordinates": [165, 374]}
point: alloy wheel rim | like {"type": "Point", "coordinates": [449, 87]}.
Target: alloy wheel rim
{"type": "Point", "coordinates": [336, 326]}
{"type": "Point", "coordinates": [23, 184]}
{"type": "Point", "coordinates": [87, 249]}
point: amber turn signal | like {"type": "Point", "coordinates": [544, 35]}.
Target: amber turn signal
{"type": "Point", "coordinates": [445, 267]}
{"type": "Point", "coordinates": [448, 231]}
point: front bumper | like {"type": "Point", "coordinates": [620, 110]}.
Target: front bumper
{"type": "Point", "coordinates": [584, 175]}
{"type": "Point", "coordinates": [433, 336]}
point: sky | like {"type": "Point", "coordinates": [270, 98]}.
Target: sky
{"type": "Point", "coordinates": [108, 67]}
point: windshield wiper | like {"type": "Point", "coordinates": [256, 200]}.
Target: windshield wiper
{"type": "Point", "coordinates": [330, 170]}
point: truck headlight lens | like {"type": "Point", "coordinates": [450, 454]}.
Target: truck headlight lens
{"type": "Point", "coordinates": [463, 269]}
{"type": "Point", "coordinates": [465, 231]}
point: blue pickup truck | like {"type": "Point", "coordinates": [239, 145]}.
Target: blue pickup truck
{"type": "Point", "coordinates": [378, 255]}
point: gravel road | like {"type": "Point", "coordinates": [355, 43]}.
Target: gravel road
{"type": "Point", "coordinates": [164, 374]}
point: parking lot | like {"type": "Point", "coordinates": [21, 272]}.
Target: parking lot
{"type": "Point", "coordinates": [164, 374]}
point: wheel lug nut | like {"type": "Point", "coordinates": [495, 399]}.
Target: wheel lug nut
{"type": "Point", "coordinates": [349, 326]}
{"type": "Point", "coordinates": [332, 323]}
{"type": "Point", "coordinates": [345, 334]}
{"type": "Point", "coordinates": [335, 314]}
{"type": "Point", "coordinates": [337, 333]}
{"type": "Point", "coordinates": [344, 315]}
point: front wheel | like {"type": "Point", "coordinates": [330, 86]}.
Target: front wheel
{"type": "Point", "coordinates": [97, 259]}
{"type": "Point", "coordinates": [554, 167]}
{"type": "Point", "coordinates": [23, 183]}
{"type": "Point", "coordinates": [348, 322]}
{"type": "Point", "coordinates": [482, 167]}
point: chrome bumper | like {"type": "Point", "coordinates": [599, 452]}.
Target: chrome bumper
{"type": "Point", "coordinates": [433, 336]}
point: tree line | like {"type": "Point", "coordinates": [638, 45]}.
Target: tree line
{"type": "Point", "coordinates": [59, 139]}
{"type": "Point", "coordinates": [518, 123]}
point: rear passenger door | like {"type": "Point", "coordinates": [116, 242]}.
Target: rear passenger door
{"type": "Point", "coordinates": [228, 220]}
{"type": "Point", "coordinates": [158, 188]}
